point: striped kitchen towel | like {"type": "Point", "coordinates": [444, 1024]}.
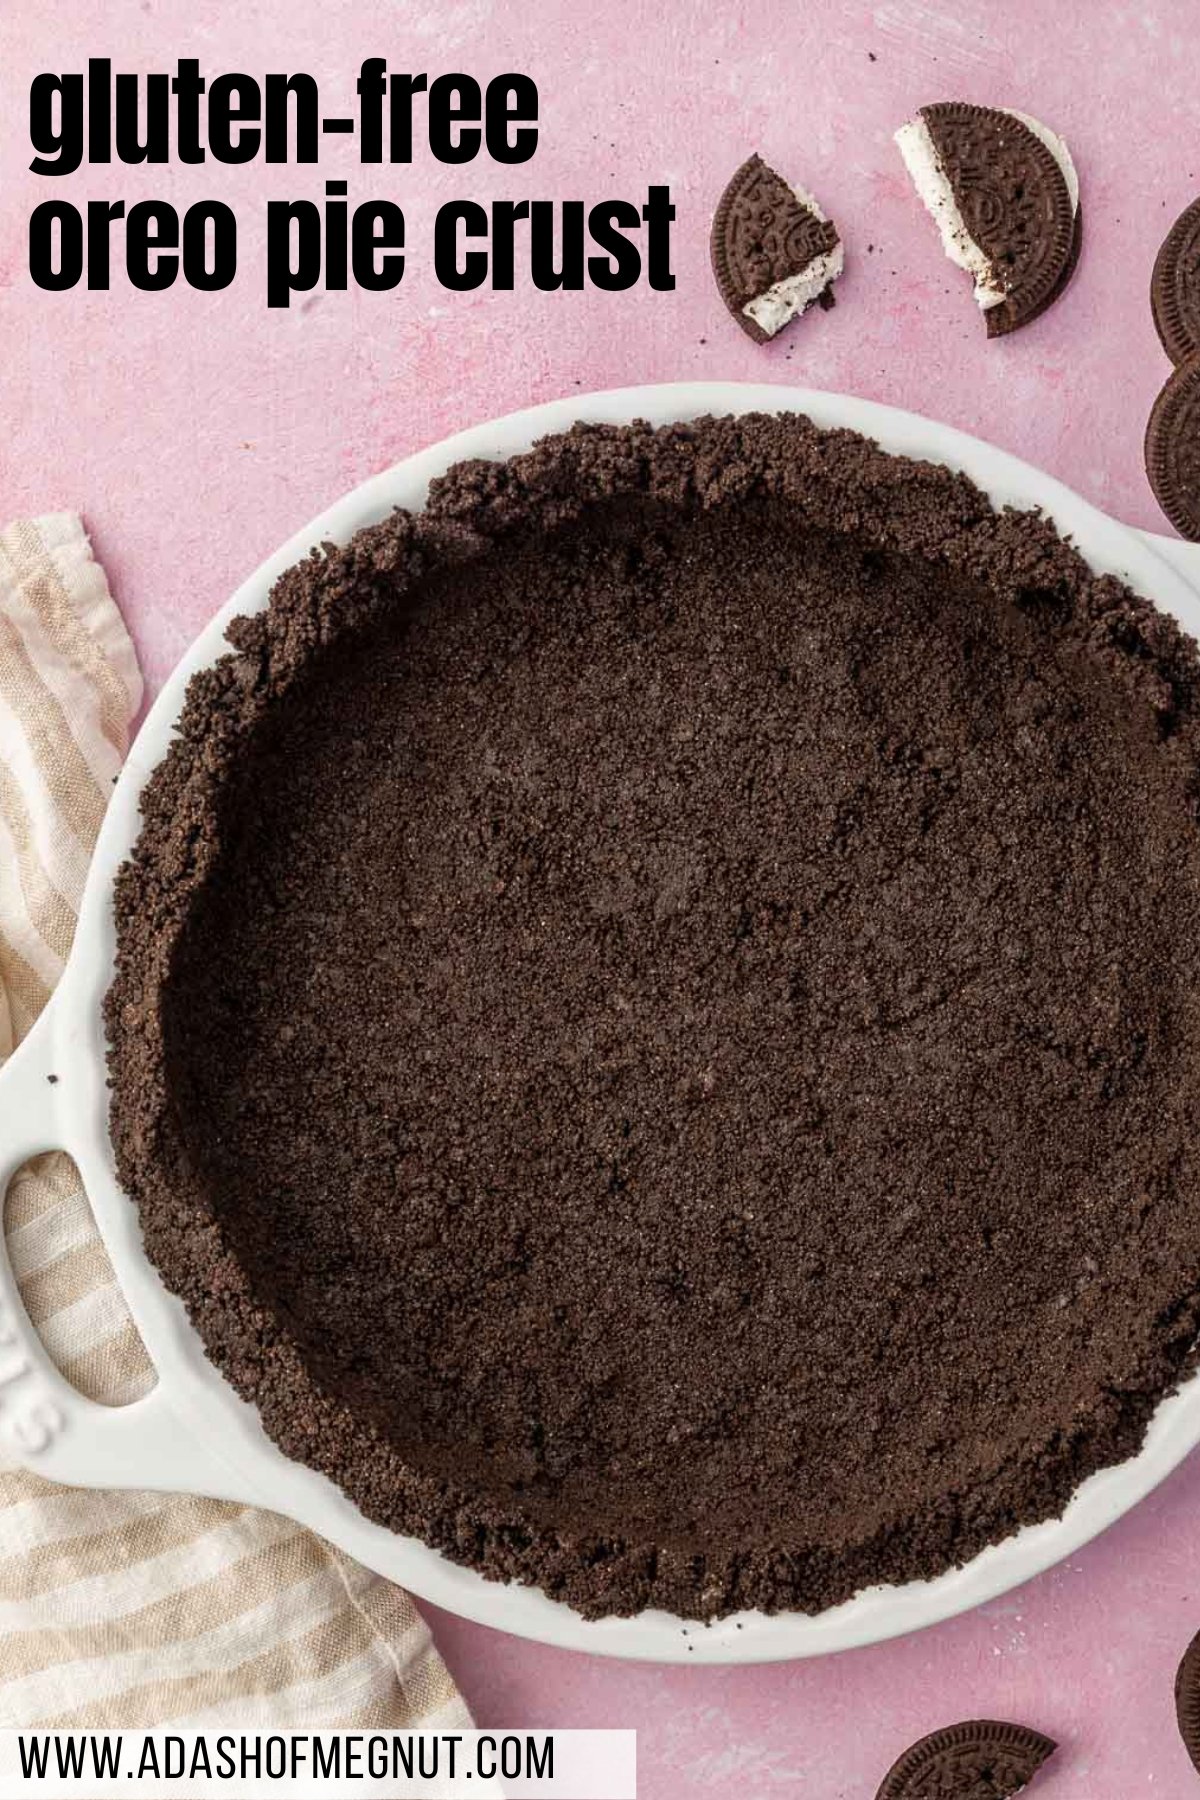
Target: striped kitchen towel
{"type": "Point", "coordinates": [135, 1609]}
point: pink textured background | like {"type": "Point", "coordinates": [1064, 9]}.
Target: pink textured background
{"type": "Point", "coordinates": [195, 432]}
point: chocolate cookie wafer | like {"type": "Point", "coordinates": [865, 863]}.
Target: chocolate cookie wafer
{"type": "Point", "coordinates": [981, 1759]}
{"type": "Point", "coordinates": [1173, 448]}
{"type": "Point", "coordinates": [1187, 1700]}
{"type": "Point", "coordinates": [1175, 287]}
{"type": "Point", "coordinates": [774, 252]}
{"type": "Point", "coordinates": [1003, 191]}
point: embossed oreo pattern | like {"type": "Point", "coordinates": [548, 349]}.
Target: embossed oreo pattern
{"type": "Point", "coordinates": [1175, 287]}
{"type": "Point", "coordinates": [1015, 204]}
{"type": "Point", "coordinates": [1173, 448]}
{"type": "Point", "coordinates": [1187, 1700]}
{"type": "Point", "coordinates": [981, 1759]}
{"type": "Point", "coordinates": [761, 234]}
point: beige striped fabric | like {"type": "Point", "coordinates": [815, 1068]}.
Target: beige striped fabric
{"type": "Point", "coordinates": [137, 1609]}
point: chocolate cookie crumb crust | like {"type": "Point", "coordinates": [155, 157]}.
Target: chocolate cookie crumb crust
{"type": "Point", "coordinates": [657, 1014]}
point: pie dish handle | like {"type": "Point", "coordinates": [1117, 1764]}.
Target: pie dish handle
{"type": "Point", "coordinates": [46, 1425]}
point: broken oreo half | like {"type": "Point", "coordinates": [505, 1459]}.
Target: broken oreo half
{"type": "Point", "coordinates": [1003, 192]}
{"type": "Point", "coordinates": [981, 1759]}
{"type": "Point", "coordinates": [774, 252]}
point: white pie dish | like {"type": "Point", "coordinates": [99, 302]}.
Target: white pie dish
{"type": "Point", "coordinates": [194, 1434]}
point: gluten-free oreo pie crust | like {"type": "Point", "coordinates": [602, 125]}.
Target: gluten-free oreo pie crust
{"type": "Point", "coordinates": [657, 1017]}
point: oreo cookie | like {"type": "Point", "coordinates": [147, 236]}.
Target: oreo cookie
{"type": "Point", "coordinates": [1175, 287]}
{"type": "Point", "coordinates": [981, 1759]}
{"type": "Point", "coordinates": [1004, 193]}
{"type": "Point", "coordinates": [774, 252]}
{"type": "Point", "coordinates": [1173, 448]}
{"type": "Point", "coordinates": [1187, 1700]}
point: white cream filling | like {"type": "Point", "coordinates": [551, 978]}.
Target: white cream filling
{"type": "Point", "coordinates": [783, 300]}
{"type": "Point", "coordinates": [932, 184]}
{"type": "Point", "coordinates": [930, 180]}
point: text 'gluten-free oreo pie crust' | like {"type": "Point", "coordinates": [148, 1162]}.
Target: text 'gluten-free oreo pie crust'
{"type": "Point", "coordinates": [657, 1017]}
